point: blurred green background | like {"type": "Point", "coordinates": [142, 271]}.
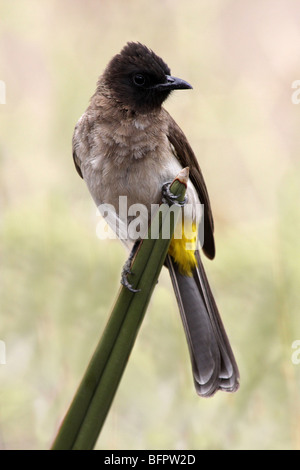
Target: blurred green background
{"type": "Point", "coordinates": [58, 281]}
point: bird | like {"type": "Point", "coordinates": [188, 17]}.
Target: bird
{"type": "Point", "coordinates": [127, 144]}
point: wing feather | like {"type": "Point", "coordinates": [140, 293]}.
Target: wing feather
{"type": "Point", "coordinates": [186, 156]}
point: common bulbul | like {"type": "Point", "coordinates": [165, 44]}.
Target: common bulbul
{"type": "Point", "coordinates": [127, 144]}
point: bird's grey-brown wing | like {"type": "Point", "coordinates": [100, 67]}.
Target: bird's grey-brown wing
{"type": "Point", "coordinates": [186, 156]}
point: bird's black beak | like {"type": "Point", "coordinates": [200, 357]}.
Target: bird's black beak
{"type": "Point", "coordinates": [173, 83]}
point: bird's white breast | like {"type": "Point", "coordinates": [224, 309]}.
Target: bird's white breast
{"type": "Point", "coordinates": [133, 161]}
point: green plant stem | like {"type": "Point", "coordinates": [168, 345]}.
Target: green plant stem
{"type": "Point", "coordinates": [88, 410]}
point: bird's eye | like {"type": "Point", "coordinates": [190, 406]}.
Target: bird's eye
{"type": "Point", "coordinates": [139, 79]}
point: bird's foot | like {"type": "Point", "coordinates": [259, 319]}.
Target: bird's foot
{"type": "Point", "coordinates": [127, 271]}
{"type": "Point", "coordinates": [168, 197]}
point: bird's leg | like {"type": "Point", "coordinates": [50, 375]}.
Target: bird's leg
{"type": "Point", "coordinates": [168, 197]}
{"type": "Point", "coordinates": [127, 269]}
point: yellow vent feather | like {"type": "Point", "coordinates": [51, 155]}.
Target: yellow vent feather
{"type": "Point", "coordinates": [182, 250]}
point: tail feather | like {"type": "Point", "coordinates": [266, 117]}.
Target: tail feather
{"type": "Point", "coordinates": [213, 363]}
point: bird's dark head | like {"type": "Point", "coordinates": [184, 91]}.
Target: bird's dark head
{"type": "Point", "coordinates": [139, 79]}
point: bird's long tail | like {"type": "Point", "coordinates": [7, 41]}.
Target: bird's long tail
{"type": "Point", "coordinates": [213, 363]}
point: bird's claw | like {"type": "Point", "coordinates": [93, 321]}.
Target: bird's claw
{"type": "Point", "coordinates": [126, 283]}
{"type": "Point", "coordinates": [125, 273]}
{"type": "Point", "coordinates": [169, 198]}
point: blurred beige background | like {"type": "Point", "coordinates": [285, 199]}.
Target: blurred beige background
{"type": "Point", "coordinates": [58, 281]}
